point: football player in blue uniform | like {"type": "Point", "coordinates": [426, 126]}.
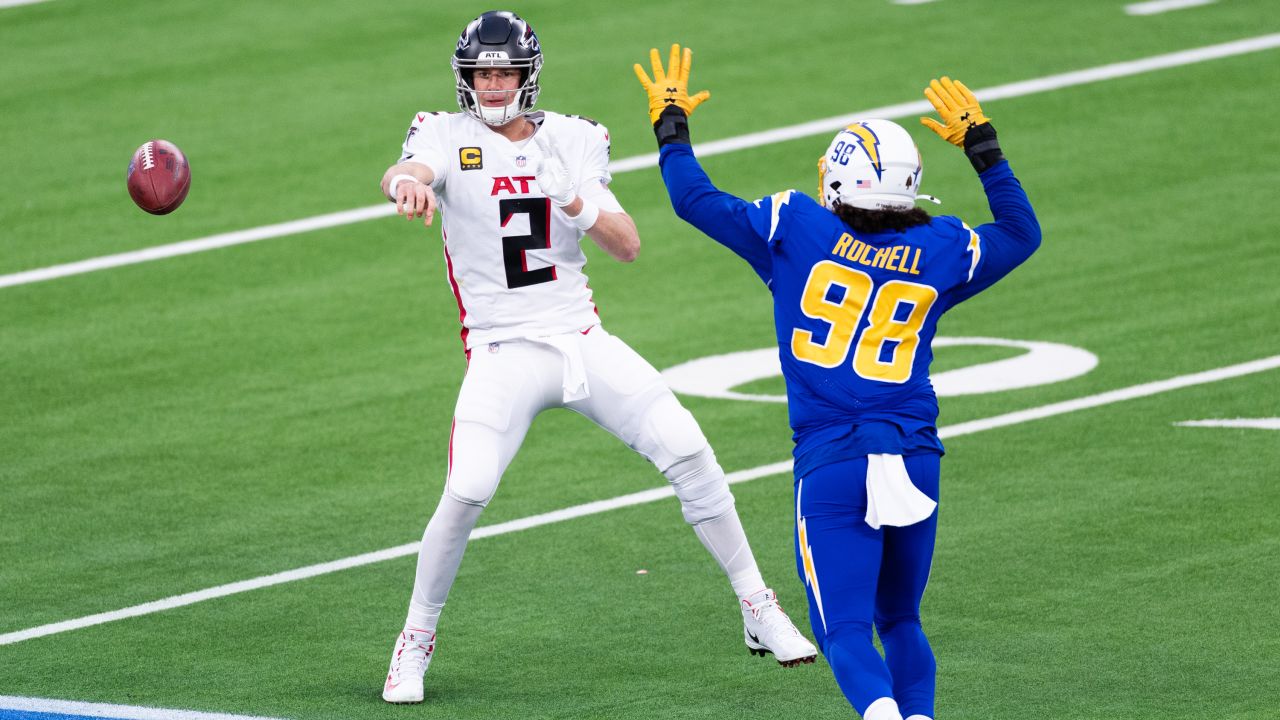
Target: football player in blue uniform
{"type": "Point", "coordinates": [860, 277]}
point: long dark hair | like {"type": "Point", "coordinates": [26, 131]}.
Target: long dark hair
{"type": "Point", "coordinates": [869, 222]}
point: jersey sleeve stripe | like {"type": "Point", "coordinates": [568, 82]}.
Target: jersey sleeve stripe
{"type": "Point", "coordinates": [779, 199]}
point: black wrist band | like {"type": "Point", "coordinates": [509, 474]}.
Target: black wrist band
{"type": "Point", "coordinates": [981, 146]}
{"type": "Point", "coordinates": [672, 127]}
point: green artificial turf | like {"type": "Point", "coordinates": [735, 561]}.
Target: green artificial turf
{"type": "Point", "coordinates": [190, 422]}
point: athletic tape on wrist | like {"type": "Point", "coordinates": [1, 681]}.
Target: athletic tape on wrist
{"type": "Point", "coordinates": [396, 180]}
{"type": "Point", "coordinates": [587, 217]}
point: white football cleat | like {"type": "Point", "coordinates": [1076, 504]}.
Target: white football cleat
{"type": "Point", "coordinates": [767, 629]}
{"type": "Point", "coordinates": [409, 662]}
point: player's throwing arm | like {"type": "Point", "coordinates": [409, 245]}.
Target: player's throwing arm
{"type": "Point", "coordinates": [408, 185]}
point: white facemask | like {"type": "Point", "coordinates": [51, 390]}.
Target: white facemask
{"type": "Point", "coordinates": [499, 114]}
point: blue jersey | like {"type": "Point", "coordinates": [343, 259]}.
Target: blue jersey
{"type": "Point", "coordinates": [855, 314]}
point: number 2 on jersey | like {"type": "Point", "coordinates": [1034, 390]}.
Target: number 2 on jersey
{"type": "Point", "coordinates": [514, 246]}
{"type": "Point", "coordinates": [886, 331]}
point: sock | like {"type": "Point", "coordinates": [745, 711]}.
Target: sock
{"type": "Point", "coordinates": [886, 708]}
{"type": "Point", "coordinates": [727, 542]}
{"type": "Point", "coordinates": [423, 616]}
{"type": "Point", "coordinates": [919, 717]}
{"type": "Point", "coordinates": [443, 543]}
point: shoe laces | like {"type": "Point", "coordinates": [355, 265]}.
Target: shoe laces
{"type": "Point", "coordinates": [411, 655]}
{"type": "Point", "coordinates": [769, 613]}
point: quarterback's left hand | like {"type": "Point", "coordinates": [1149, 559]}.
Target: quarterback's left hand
{"type": "Point", "coordinates": [551, 174]}
{"type": "Point", "coordinates": [672, 86]}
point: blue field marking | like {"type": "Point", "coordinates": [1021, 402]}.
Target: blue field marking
{"type": "Point", "coordinates": [24, 715]}
{"type": "Point", "coordinates": [30, 708]}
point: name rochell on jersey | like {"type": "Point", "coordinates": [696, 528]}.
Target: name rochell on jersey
{"type": "Point", "coordinates": [894, 257]}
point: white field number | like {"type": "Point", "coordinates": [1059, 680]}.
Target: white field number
{"type": "Point", "coordinates": [1042, 363]}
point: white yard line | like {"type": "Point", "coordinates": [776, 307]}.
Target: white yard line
{"type": "Point", "coordinates": [310, 571]}
{"type": "Point", "coordinates": [639, 498]}
{"type": "Point", "coordinates": [995, 92]}
{"type": "Point", "coordinates": [103, 710]}
{"type": "Point", "coordinates": [647, 160]}
{"type": "Point", "coordinates": [188, 247]}
{"type": "Point", "coordinates": [1155, 7]}
{"type": "Point", "coordinates": [1247, 423]}
{"type": "Point", "coordinates": [16, 3]}
{"type": "Point", "coordinates": [1106, 398]}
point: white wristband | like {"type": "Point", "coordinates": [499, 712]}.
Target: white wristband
{"type": "Point", "coordinates": [587, 216]}
{"type": "Point", "coordinates": [396, 180]}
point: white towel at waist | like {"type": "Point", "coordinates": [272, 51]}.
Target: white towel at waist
{"type": "Point", "coordinates": [892, 499]}
{"type": "Point", "coordinates": [574, 377]}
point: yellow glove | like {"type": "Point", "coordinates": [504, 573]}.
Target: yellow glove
{"type": "Point", "coordinates": [670, 89]}
{"type": "Point", "coordinates": [957, 107]}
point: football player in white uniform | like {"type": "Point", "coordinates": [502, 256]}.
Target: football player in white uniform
{"type": "Point", "coordinates": [518, 189]}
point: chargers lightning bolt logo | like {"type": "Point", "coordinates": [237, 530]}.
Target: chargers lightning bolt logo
{"type": "Point", "coordinates": [869, 143]}
{"type": "Point", "coordinates": [806, 556]}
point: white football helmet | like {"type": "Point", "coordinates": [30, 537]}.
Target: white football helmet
{"type": "Point", "coordinates": [871, 165]}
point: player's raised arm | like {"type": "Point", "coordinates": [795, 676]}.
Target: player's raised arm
{"type": "Point", "coordinates": [1015, 234]}
{"type": "Point", "coordinates": [722, 216]}
{"type": "Point", "coordinates": [408, 185]}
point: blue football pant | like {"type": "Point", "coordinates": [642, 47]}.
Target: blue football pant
{"type": "Point", "coordinates": [859, 576]}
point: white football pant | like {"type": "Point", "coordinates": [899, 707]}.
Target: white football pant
{"type": "Point", "coordinates": [508, 384]}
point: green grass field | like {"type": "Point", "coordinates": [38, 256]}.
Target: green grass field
{"type": "Point", "coordinates": [181, 424]}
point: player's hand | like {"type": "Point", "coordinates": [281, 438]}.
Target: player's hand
{"type": "Point", "coordinates": [957, 107]}
{"type": "Point", "coordinates": [415, 199]}
{"type": "Point", "coordinates": [551, 174]}
{"type": "Point", "coordinates": [670, 87]}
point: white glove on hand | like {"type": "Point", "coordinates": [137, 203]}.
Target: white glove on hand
{"type": "Point", "coordinates": [551, 174]}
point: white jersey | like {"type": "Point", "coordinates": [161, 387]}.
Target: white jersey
{"type": "Point", "coordinates": [513, 258]}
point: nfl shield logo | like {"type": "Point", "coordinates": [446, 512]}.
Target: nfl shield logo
{"type": "Point", "coordinates": [521, 161]}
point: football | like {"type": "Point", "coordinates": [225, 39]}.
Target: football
{"type": "Point", "coordinates": [159, 177]}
